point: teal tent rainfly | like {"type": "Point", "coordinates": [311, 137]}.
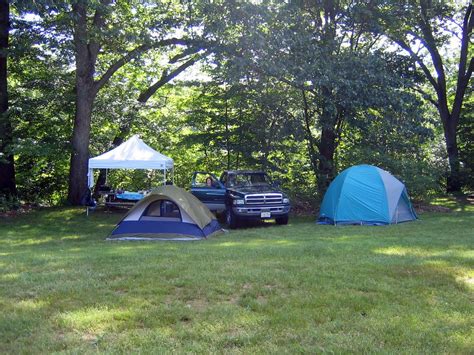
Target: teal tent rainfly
{"type": "Point", "coordinates": [368, 195]}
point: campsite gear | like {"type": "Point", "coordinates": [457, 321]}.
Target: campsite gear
{"type": "Point", "coordinates": [132, 196]}
{"type": "Point", "coordinates": [366, 194]}
{"type": "Point", "coordinates": [167, 213]}
{"type": "Point", "coordinates": [122, 199]}
{"type": "Point", "coordinates": [131, 154]}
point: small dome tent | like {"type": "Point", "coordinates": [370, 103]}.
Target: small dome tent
{"type": "Point", "coordinates": [365, 194]}
{"type": "Point", "coordinates": [167, 213]}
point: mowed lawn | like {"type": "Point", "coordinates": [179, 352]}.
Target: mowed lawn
{"type": "Point", "coordinates": [299, 288]}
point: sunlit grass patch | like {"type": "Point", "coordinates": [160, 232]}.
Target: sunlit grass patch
{"type": "Point", "coordinates": [298, 288]}
{"type": "Point", "coordinates": [467, 279]}
{"type": "Point", "coordinates": [465, 204]}
{"type": "Point", "coordinates": [94, 319]}
{"type": "Point", "coordinates": [427, 253]}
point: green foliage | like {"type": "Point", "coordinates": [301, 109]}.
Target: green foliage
{"type": "Point", "coordinates": [421, 176]}
{"type": "Point", "coordinates": [250, 113]}
{"type": "Point", "coordinates": [466, 142]}
{"type": "Point", "coordinates": [399, 138]}
{"type": "Point", "coordinates": [357, 102]}
{"type": "Point", "coordinates": [41, 106]}
{"type": "Point", "coordinates": [9, 203]}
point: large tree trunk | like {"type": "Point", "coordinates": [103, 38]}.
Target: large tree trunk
{"type": "Point", "coordinates": [86, 56]}
{"type": "Point", "coordinates": [327, 142]}
{"type": "Point", "coordinates": [451, 120]}
{"type": "Point", "coordinates": [80, 145]}
{"type": "Point", "coordinates": [87, 43]}
{"type": "Point", "coordinates": [453, 183]}
{"type": "Point", "coordinates": [7, 165]}
{"type": "Point", "coordinates": [465, 68]}
{"type": "Point", "coordinates": [321, 154]}
{"type": "Point", "coordinates": [326, 170]}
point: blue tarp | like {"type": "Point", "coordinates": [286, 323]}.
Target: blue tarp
{"type": "Point", "coordinates": [133, 196]}
{"type": "Point", "coordinates": [365, 194]}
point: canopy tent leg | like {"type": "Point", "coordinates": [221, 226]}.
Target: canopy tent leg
{"type": "Point", "coordinates": [90, 178]}
{"type": "Point", "coordinates": [90, 183]}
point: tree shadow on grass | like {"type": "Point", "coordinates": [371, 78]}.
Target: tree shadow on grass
{"type": "Point", "coordinates": [409, 306]}
{"type": "Point", "coordinates": [336, 287]}
{"type": "Point", "coordinates": [50, 226]}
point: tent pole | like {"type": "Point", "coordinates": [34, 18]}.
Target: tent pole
{"type": "Point", "coordinates": [164, 176]}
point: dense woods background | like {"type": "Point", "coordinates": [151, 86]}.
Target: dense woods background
{"type": "Point", "coordinates": [301, 89]}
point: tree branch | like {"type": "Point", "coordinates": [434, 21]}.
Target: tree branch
{"type": "Point", "coordinates": [98, 23]}
{"type": "Point", "coordinates": [426, 96]}
{"type": "Point", "coordinates": [80, 31]}
{"type": "Point", "coordinates": [165, 78]}
{"type": "Point", "coordinates": [464, 75]}
{"type": "Point", "coordinates": [417, 59]}
{"type": "Point", "coordinates": [311, 143]}
{"type": "Point", "coordinates": [98, 84]}
{"type": "Point", "coordinates": [184, 54]}
{"type": "Point", "coordinates": [430, 44]}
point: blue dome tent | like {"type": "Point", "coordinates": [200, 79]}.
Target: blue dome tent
{"type": "Point", "coordinates": [365, 194]}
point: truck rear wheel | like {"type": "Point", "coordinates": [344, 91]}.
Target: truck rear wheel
{"type": "Point", "coordinates": [231, 219]}
{"type": "Point", "coordinates": [282, 220]}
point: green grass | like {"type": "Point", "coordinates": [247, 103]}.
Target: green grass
{"type": "Point", "coordinates": [459, 203]}
{"type": "Point", "coordinates": [406, 288]}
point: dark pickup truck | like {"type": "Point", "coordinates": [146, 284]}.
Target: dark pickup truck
{"type": "Point", "coordinates": [242, 195]}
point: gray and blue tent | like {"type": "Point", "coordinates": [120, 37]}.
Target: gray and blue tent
{"type": "Point", "coordinates": [167, 213]}
{"type": "Point", "coordinates": [365, 194]}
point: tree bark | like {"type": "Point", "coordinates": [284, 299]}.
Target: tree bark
{"type": "Point", "coordinates": [454, 181]}
{"type": "Point", "coordinates": [465, 69]}
{"type": "Point", "coordinates": [449, 117]}
{"type": "Point", "coordinates": [88, 43]}
{"type": "Point", "coordinates": [7, 163]}
{"type": "Point", "coordinates": [86, 90]}
{"type": "Point", "coordinates": [312, 145]}
{"type": "Point", "coordinates": [80, 144]}
{"type": "Point", "coordinates": [227, 133]}
{"type": "Point", "coordinates": [321, 153]}
{"type": "Point", "coordinates": [327, 148]}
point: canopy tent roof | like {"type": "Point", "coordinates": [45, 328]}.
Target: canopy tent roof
{"type": "Point", "coordinates": [131, 154]}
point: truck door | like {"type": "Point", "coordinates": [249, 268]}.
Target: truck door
{"type": "Point", "coordinates": [209, 190]}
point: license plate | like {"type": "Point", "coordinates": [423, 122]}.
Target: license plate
{"type": "Point", "coordinates": [265, 214]}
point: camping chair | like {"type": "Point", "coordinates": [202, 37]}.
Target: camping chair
{"type": "Point", "coordinates": [88, 201]}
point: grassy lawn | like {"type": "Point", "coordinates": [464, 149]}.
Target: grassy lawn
{"type": "Point", "coordinates": [299, 288]}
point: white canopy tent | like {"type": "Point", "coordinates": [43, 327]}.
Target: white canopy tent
{"type": "Point", "coordinates": [131, 154]}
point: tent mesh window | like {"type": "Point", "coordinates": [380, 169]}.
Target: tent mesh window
{"type": "Point", "coordinates": [162, 209]}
